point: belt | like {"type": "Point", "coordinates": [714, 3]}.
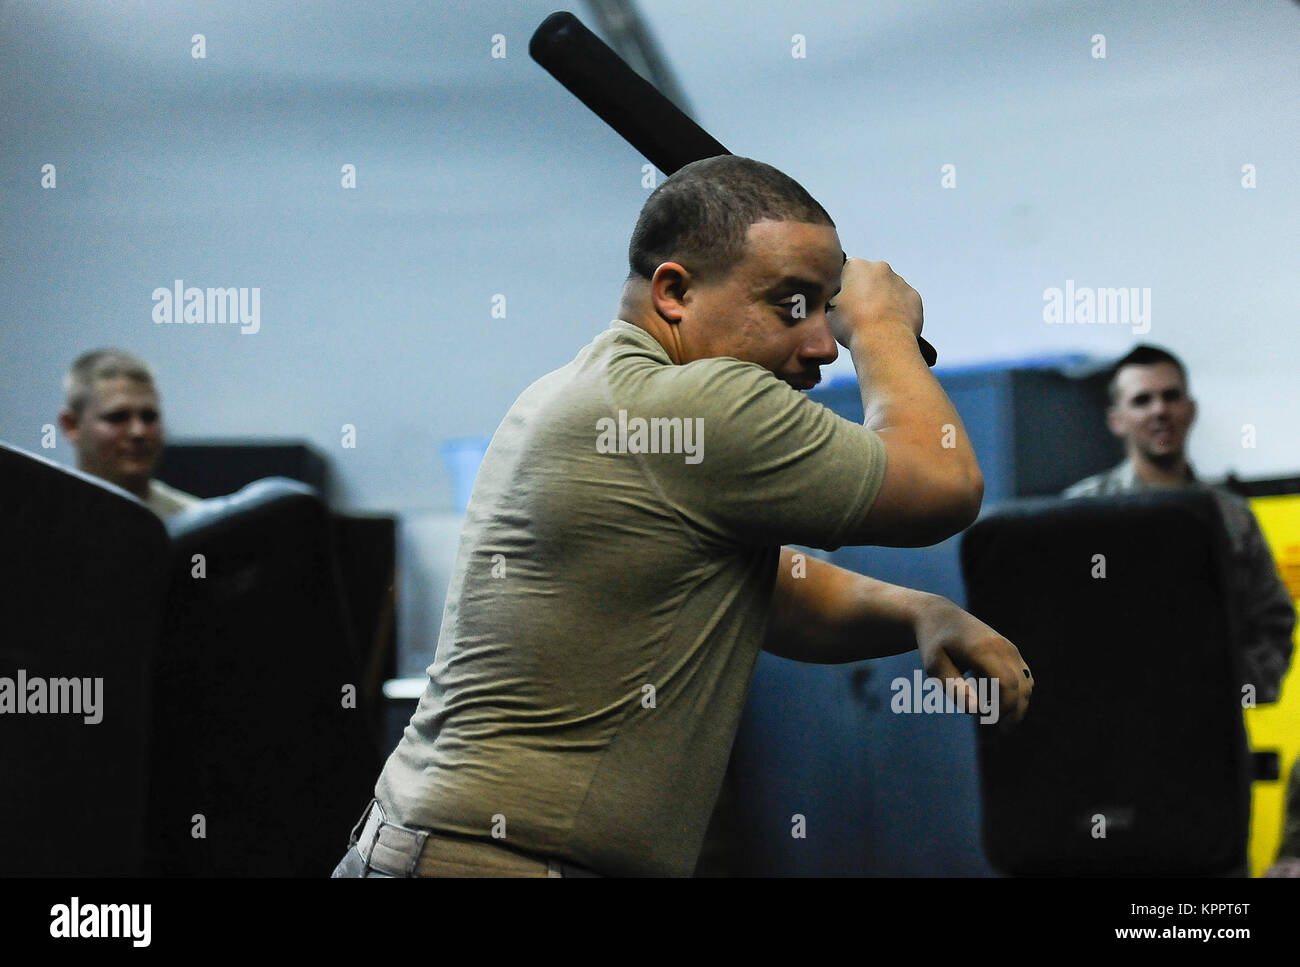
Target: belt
{"type": "Point", "coordinates": [395, 849]}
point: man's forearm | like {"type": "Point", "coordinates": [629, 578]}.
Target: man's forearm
{"type": "Point", "coordinates": [894, 382]}
{"type": "Point", "coordinates": [900, 394]}
{"type": "Point", "coordinates": [934, 485]}
{"type": "Point", "coordinates": [825, 614]}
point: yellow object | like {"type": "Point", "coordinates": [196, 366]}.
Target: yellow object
{"type": "Point", "coordinates": [1276, 728]}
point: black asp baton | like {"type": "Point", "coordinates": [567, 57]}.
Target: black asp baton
{"type": "Point", "coordinates": [594, 74]}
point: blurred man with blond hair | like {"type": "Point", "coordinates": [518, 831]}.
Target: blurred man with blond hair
{"type": "Point", "coordinates": [112, 416]}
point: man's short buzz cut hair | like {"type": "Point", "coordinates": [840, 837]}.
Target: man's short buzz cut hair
{"type": "Point", "coordinates": [96, 365]}
{"type": "Point", "coordinates": [700, 216]}
{"type": "Point", "coordinates": [1143, 355]}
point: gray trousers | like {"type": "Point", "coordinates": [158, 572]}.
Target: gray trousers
{"type": "Point", "coordinates": [386, 849]}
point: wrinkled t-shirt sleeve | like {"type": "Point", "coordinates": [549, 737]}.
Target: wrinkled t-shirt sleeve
{"type": "Point", "coordinates": [770, 465]}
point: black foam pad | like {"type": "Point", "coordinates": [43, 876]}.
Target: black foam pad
{"type": "Point", "coordinates": [253, 733]}
{"type": "Point", "coordinates": [82, 579]}
{"type": "Point", "coordinates": [1135, 726]}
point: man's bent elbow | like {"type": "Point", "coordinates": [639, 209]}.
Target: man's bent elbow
{"type": "Point", "coordinates": [921, 504]}
{"type": "Point", "coordinates": [943, 514]}
{"type": "Point", "coordinates": [955, 493]}
{"type": "Point", "coordinates": [974, 494]}
{"type": "Point", "coordinates": [957, 508]}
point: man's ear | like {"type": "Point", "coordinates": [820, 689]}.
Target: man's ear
{"type": "Point", "coordinates": [69, 424]}
{"type": "Point", "coordinates": [668, 291]}
{"type": "Point", "coordinates": [1192, 418]}
{"type": "Point", "coordinates": [1113, 421]}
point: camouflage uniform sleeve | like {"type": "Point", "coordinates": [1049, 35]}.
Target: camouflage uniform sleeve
{"type": "Point", "coordinates": [1088, 487]}
{"type": "Point", "coordinates": [1268, 614]}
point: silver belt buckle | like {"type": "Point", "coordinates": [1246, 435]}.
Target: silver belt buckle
{"type": "Point", "coordinates": [354, 838]}
{"type": "Point", "coordinates": [407, 843]}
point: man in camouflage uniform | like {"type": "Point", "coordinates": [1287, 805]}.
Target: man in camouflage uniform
{"type": "Point", "coordinates": [1152, 412]}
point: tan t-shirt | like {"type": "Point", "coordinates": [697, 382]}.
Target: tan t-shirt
{"type": "Point", "coordinates": [610, 598]}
